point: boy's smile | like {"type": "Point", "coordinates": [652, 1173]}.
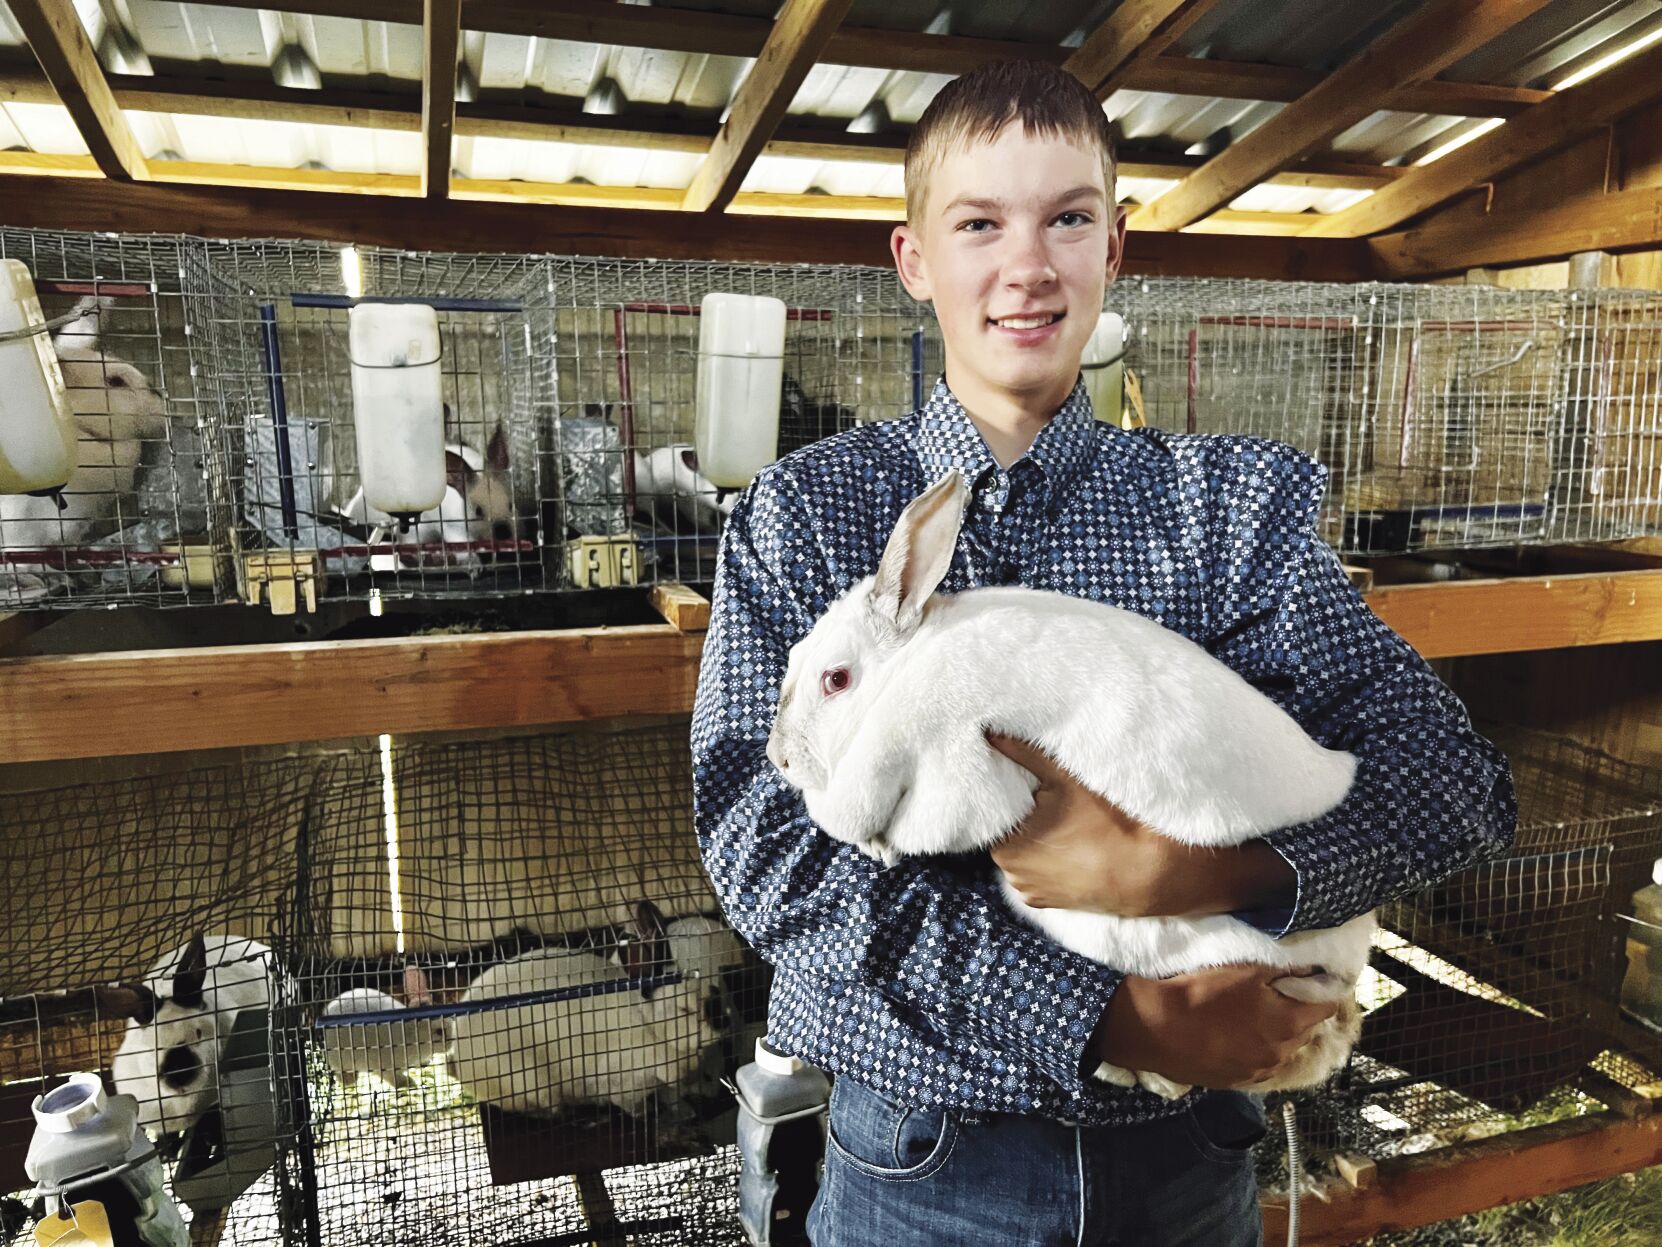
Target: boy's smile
{"type": "Point", "coordinates": [1017, 243]}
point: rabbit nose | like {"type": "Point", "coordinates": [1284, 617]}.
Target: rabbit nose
{"type": "Point", "coordinates": [502, 532]}
{"type": "Point", "coordinates": [776, 754]}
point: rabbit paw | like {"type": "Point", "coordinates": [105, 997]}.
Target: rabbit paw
{"type": "Point", "coordinates": [1162, 1086]}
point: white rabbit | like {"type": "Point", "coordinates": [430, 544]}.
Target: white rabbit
{"type": "Point", "coordinates": [180, 1019]}
{"type": "Point", "coordinates": [116, 415]}
{"type": "Point", "coordinates": [478, 505]}
{"type": "Point", "coordinates": [881, 724]}
{"type": "Point", "coordinates": [385, 1050]}
{"type": "Point", "coordinates": [670, 475]}
{"type": "Point", "coordinates": [614, 1046]}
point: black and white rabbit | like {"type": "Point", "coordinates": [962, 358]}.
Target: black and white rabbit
{"type": "Point", "coordinates": [179, 1021]}
{"type": "Point", "coordinates": [881, 721]}
{"type": "Point", "coordinates": [610, 1047]}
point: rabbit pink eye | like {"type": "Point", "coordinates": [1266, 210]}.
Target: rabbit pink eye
{"type": "Point", "coordinates": [834, 681]}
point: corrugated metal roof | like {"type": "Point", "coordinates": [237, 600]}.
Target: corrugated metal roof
{"type": "Point", "coordinates": [152, 36]}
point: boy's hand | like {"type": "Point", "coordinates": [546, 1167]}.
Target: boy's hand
{"type": "Point", "coordinates": [1076, 850]}
{"type": "Point", "coordinates": [1225, 1027]}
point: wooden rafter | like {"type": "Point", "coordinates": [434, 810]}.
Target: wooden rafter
{"type": "Point", "coordinates": [687, 30]}
{"type": "Point", "coordinates": [381, 110]}
{"type": "Point", "coordinates": [569, 194]}
{"type": "Point", "coordinates": [1188, 75]}
{"type": "Point", "coordinates": [799, 36]}
{"type": "Point", "coordinates": [1137, 29]}
{"type": "Point", "coordinates": [1545, 128]}
{"type": "Point", "coordinates": [66, 56]}
{"type": "Point", "coordinates": [1435, 36]}
{"type": "Point", "coordinates": [441, 32]}
{"type": "Point", "coordinates": [1619, 221]}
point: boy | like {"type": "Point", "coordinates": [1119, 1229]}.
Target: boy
{"type": "Point", "coordinates": [964, 1111]}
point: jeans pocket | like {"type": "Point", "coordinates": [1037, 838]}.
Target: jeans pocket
{"type": "Point", "coordinates": [884, 1140]}
{"type": "Point", "coordinates": [1224, 1126]}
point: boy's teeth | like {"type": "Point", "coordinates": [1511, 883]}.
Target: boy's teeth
{"type": "Point", "coordinates": [1025, 322]}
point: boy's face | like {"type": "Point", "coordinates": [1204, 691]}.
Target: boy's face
{"type": "Point", "coordinates": [1017, 244]}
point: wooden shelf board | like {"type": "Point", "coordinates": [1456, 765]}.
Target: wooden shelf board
{"type": "Point", "coordinates": [163, 701]}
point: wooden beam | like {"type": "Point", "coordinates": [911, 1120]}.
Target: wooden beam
{"type": "Point", "coordinates": [1135, 30]}
{"type": "Point", "coordinates": [1527, 613]}
{"type": "Point", "coordinates": [1428, 1187]}
{"type": "Point", "coordinates": [394, 220]}
{"type": "Point", "coordinates": [1192, 75]}
{"type": "Point", "coordinates": [441, 34]}
{"type": "Point", "coordinates": [356, 106]}
{"type": "Point", "coordinates": [684, 609]}
{"type": "Point", "coordinates": [392, 217]}
{"type": "Point", "coordinates": [1619, 221]}
{"type": "Point", "coordinates": [799, 36]}
{"type": "Point", "coordinates": [1415, 48]}
{"type": "Point", "coordinates": [85, 705]}
{"type": "Point", "coordinates": [688, 30]}
{"type": "Point", "coordinates": [66, 56]}
{"type": "Point", "coordinates": [1560, 121]}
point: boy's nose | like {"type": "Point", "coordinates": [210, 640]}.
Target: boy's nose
{"type": "Point", "coordinates": [1030, 266]}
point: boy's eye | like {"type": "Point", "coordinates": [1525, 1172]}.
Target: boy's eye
{"type": "Point", "coordinates": [1074, 218]}
{"type": "Point", "coordinates": [973, 227]}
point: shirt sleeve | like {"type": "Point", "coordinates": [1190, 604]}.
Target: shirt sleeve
{"type": "Point", "coordinates": [1430, 795]}
{"type": "Point", "coordinates": [932, 938]}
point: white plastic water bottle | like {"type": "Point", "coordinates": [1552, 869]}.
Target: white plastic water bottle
{"type": "Point", "coordinates": [1642, 987]}
{"type": "Point", "coordinates": [37, 437]}
{"type": "Point", "coordinates": [88, 1146]}
{"type": "Point", "coordinates": [781, 1133]}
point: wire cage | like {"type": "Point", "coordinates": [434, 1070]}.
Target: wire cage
{"type": "Point", "coordinates": [135, 523]}
{"type": "Point", "coordinates": [1493, 998]}
{"type": "Point", "coordinates": [570, 389]}
{"type": "Point", "coordinates": [1450, 416]}
{"type": "Point", "coordinates": [495, 999]}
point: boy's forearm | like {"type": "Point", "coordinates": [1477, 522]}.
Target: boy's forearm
{"type": "Point", "coordinates": [1251, 876]}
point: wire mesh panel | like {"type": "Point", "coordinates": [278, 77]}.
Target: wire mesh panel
{"type": "Point", "coordinates": [137, 519]}
{"type": "Point", "coordinates": [446, 993]}
{"type": "Point", "coordinates": [1491, 994]}
{"type": "Point", "coordinates": [1449, 416]}
{"type": "Point", "coordinates": [569, 389]}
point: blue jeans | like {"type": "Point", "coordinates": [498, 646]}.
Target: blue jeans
{"type": "Point", "coordinates": [899, 1177]}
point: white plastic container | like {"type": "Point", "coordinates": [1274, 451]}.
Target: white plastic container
{"type": "Point", "coordinates": [398, 406]}
{"type": "Point", "coordinates": [1103, 365]}
{"type": "Point", "coordinates": [37, 428]}
{"type": "Point", "coordinates": [1642, 988]}
{"type": "Point", "coordinates": [741, 372]}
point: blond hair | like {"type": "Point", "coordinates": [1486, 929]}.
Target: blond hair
{"type": "Point", "coordinates": [1048, 101]}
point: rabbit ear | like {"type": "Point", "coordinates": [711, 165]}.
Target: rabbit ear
{"type": "Point", "coordinates": [919, 553]}
{"type": "Point", "coordinates": [456, 471]}
{"type": "Point", "coordinates": [645, 953]}
{"type": "Point", "coordinates": [417, 992]}
{"type": "Point", "coordinates": [496, 451]}
{"type": "Point", "coordinates": [190, 974]}
{"type": "Point", "coordinates": [126, 1000]}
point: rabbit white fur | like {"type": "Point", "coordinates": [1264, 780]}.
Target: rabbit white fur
{"type": "Point", "coordinates": [896, 761]}
{"type": "Point", "coordinates": [617, 1047]}
{"type": "Point", "coordinates": [386, 1050]}
{"type": "Point", "coordinates": [179, 1021]}
{"type": "Point", "coordinates": [670, 474]}
{"type": "Point", "coordinates": [116, 413]}
{"type": "Point", "coordinates": [478, 505]}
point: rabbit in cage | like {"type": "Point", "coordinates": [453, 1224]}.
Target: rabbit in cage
{"type": "Point", "coordinates": [478, 506]}
{"type": "Point", "coordinates": [179, 1021]}
{"type": "Point", "coordinates": [596, 1046]}
{"type": "Point", "coordinates": [881, 722]}
{"type": "Point", "coordinates": [116, 414]}
{"type": "Point", "coordinates": [386, 1050]}
{"type": "Point", "coordinates": [669, 477]}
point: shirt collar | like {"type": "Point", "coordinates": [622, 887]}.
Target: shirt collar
{"type": "Point", "coordinates": [947, 438]}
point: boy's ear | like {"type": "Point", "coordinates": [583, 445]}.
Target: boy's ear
{"type": "Point", "coordinates": [904, 244]}
{"type": "Point", "coordinates": [1116, 243]}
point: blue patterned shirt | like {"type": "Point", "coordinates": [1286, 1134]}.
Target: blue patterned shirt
{"type": "Point", "coordinates": [916, 980]}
